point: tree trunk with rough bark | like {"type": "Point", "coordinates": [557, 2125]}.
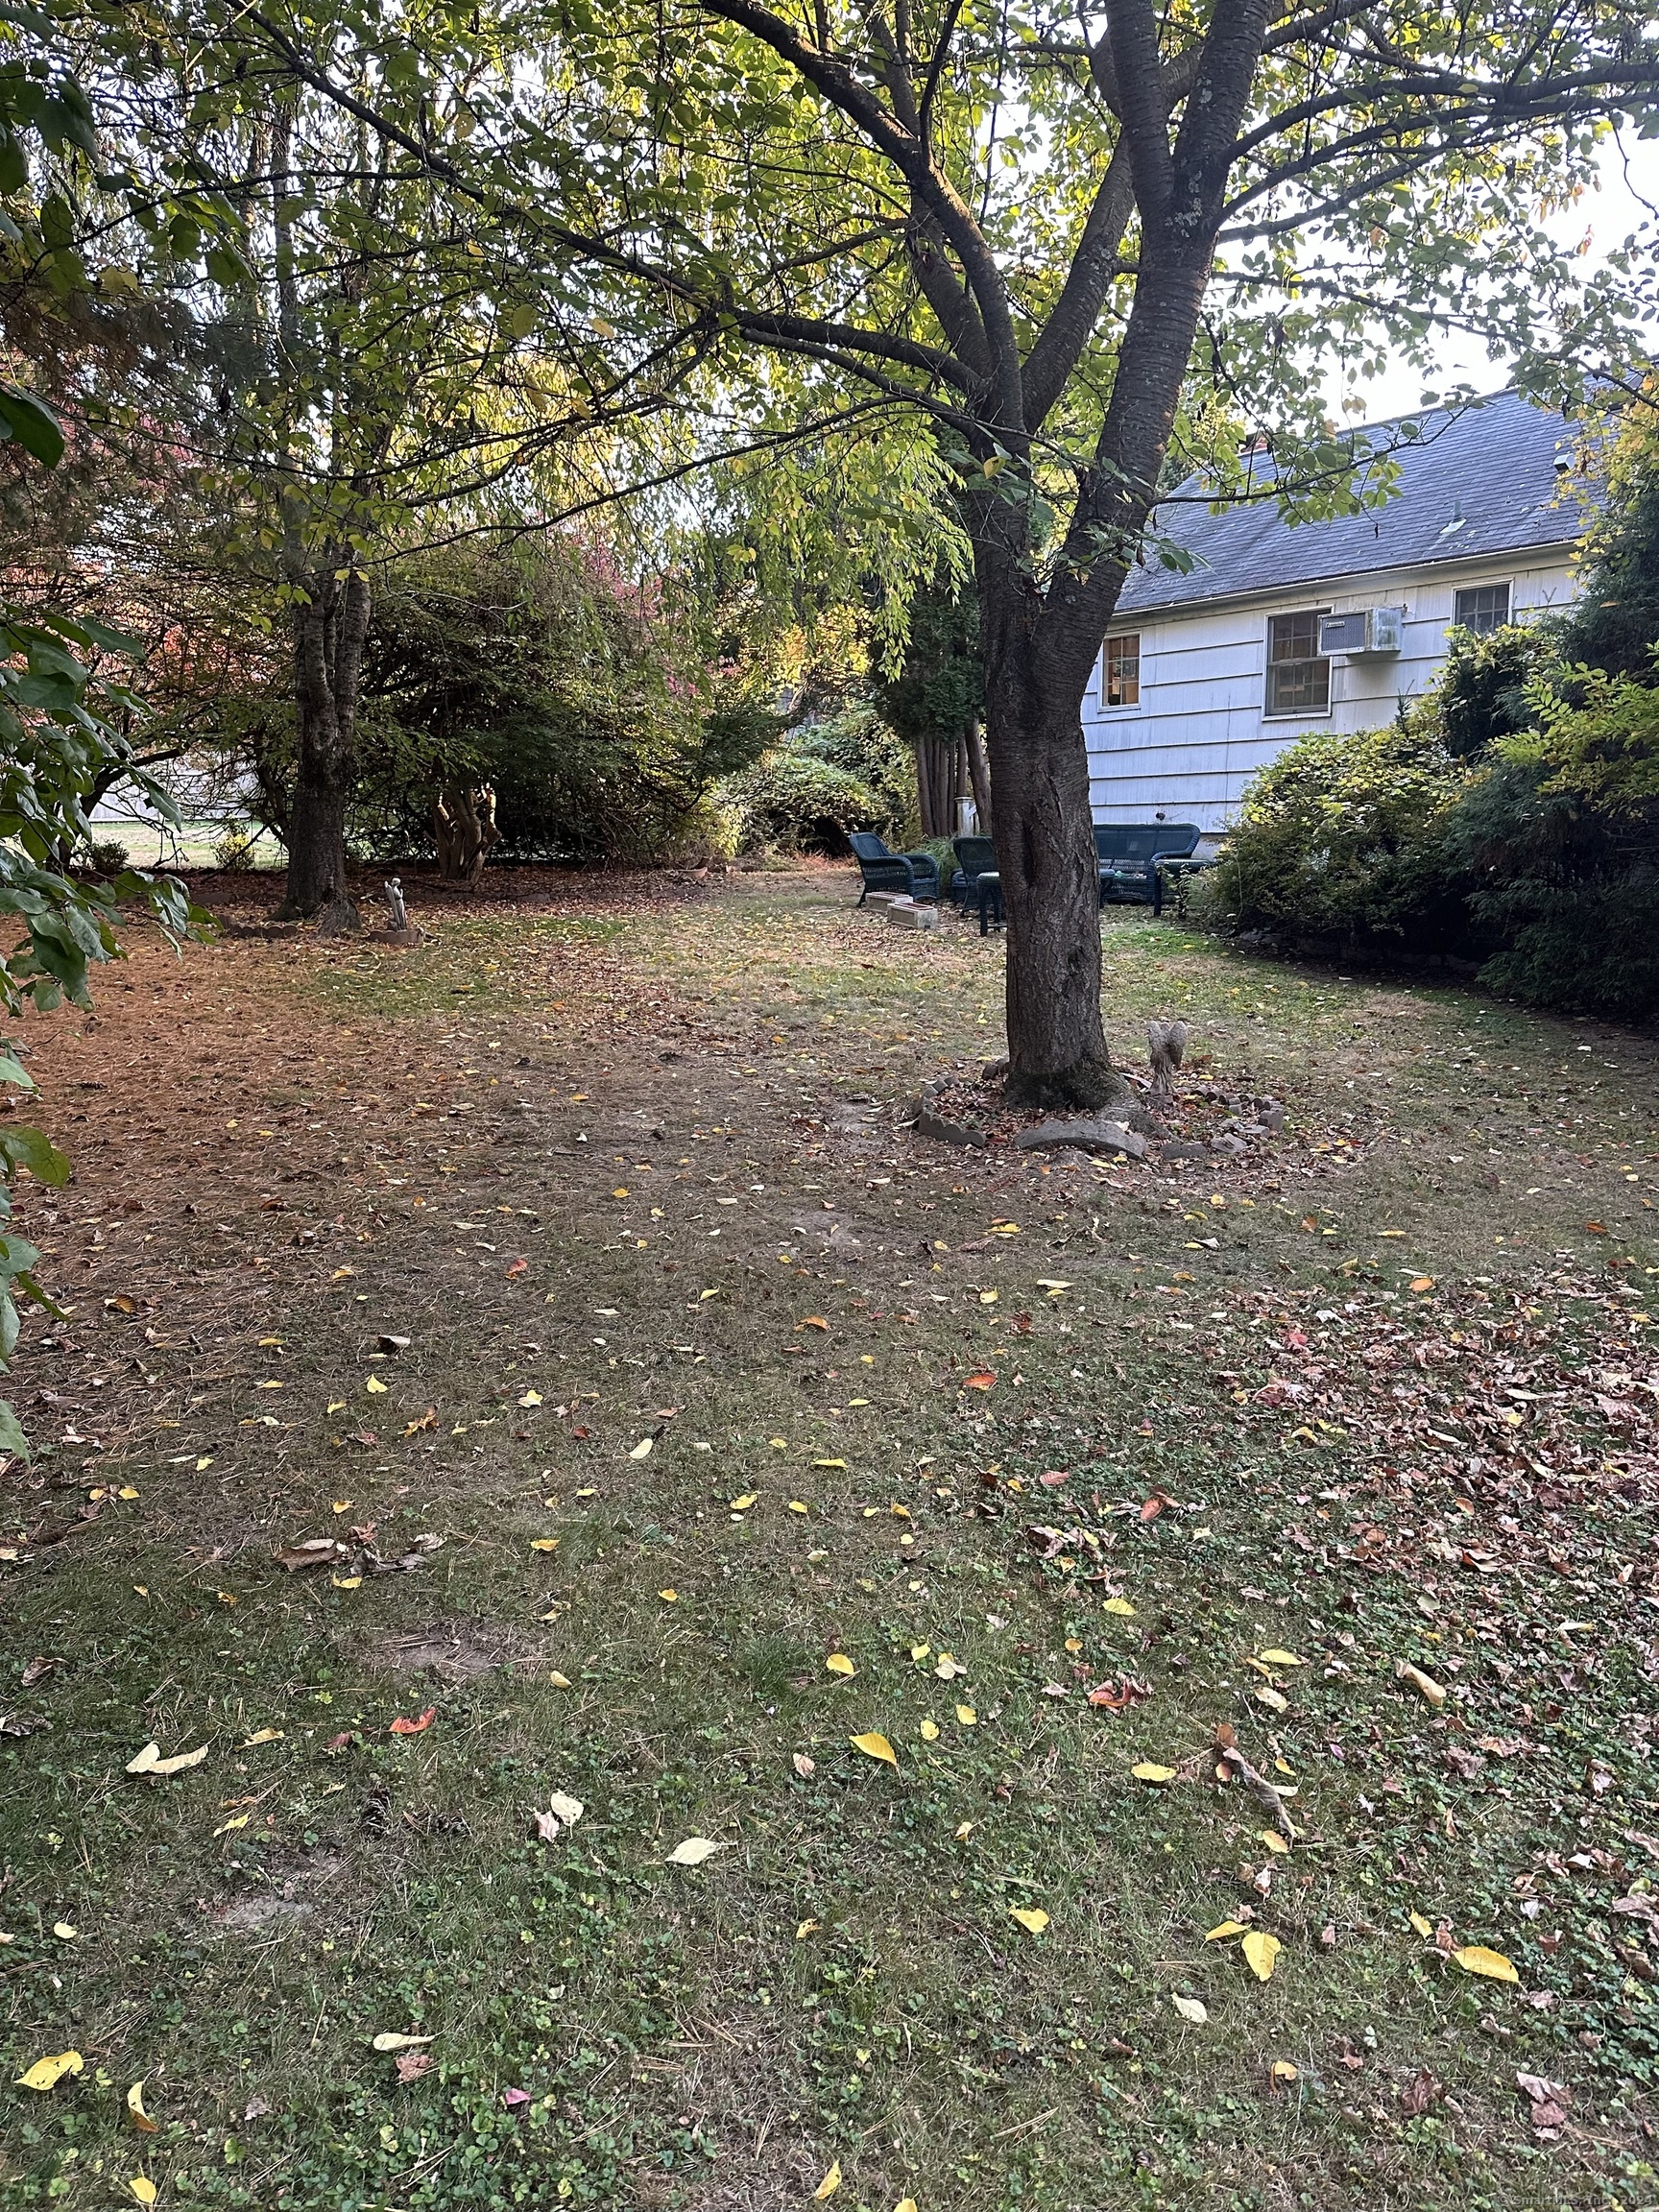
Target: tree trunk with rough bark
{"type": "Point", "coordinates": [1045, 856]}
{"type": "Point", "coordinates": [329, 628]}
{"type": "Point", "coordinates": [979, 774]}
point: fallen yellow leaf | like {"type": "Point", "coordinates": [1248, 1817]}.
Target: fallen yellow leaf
{"type": "Point", "coordinates": [838, 1663]}
{"type": "Point", "coordinates": [743, 1504]}
{"type": "Point", "coordinates": [806, 1929]}
{"type": "Point", "coordinates": [225, 1827]}
{"type": "Point", "coordinates": [1191, 2009]}
{"type": "Point", "coordinates": [693, 1851]}
{"type": "Point", "coordinates": [930, 1730]}
{"type": "Point", "coordinates": [135, 2111]}
{"type": "Point", "coordinates": [967, 1716]}
{"type": "Point", "coordinates": [642, 1450]}
{"type": "Point", "coordinates": [874, 1745]}
{"type": "Point", "coordinates": [669, 1597]}
{"type": "Point", "coordinates": [1283, 1659]}
{"type": "Point", "coordinates": [336, 1406]}
{"type": "Point", "coordinates": [829, 1462]}
{"type": "Point", "coordinates": [949, 1668]}
{"type": "Point", "coordinates": [1275, 1700]}
{"type": "Point", "coordinates": [143, 2188]}
{"type": "Point", "coordinates": [47, 2072]}
{"type": "Point", "coordinates": [799, 1505]}
{"type": "Point", "coordinates": [1422, 1282]}
{"type": "Point", "coordinates": [1274, 1840]}
{"type": "Point", "coordinates": [1119, 1605]}
{"type": "Point", "coordinates": [1260, 1953]}
{"type": "Point", "coordinates": [530, 1397]}
{"type": "Point", "coordinates": [1424, 1685]}
{"type": "Point", "coordinates": [151, 1762]}
{"type": "Point", "coordinates": [831, 2183]}
{"type": "Point", "coordinates": [1424, 1928]}
{"type": "Point", "coordinates": [558, 1680]}
{"type": "Point", "coordinates": [1149, 1771]}
{"type": "Point", "coordinates": [390, 2041]}
{"type": "Point", "coordinates": [1282, 2070]}
{"type": "Point", "coordinates": [544, 1543]}
{"type": "Point", "coordinates": [1227, 1929]}
{"type": "Point", "coordinates": [64, 1932]}
{"type": "Point", "coordinates": [921, 1652]}
{"type": "Point", "coordinates": [1031, 1916]}
{"type": "Point", "coordinates": [374, 1386]}
{"type": "Point", "coordinates": [964, 1829]}
{"type": "Point", "coordinates": [1477, 1958]}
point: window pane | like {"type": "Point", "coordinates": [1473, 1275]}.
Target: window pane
{"type": "Point", "coordinates": [1294, 636]}
{"type": "Point", "coordinates": [1483, 608]}
{"type": "Point", "coordinates": [1123, 671]}
{"type": "Point", "coordinates": [1298, 678]}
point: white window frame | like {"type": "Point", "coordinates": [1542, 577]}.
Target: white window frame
{"type": "Point", "coordinates": [1506, 585]}
{"type": "Point", "coordinates": [1296, 713]}
{"type": "Point", "coordinates": [1139, 703]}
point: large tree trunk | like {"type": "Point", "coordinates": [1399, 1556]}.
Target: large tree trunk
{"type": "Point", "coordinates": [329, 627]}
{"type": "Point", "coordinates": [1043, 832]}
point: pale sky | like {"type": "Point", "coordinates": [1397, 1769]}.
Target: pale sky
{"type": "Point", "coordinates": [1627, 202]}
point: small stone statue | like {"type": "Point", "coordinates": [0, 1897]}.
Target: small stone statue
{"type": "Point", "coordinates": [399, 929]}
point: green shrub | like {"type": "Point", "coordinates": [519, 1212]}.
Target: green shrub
{"type": "Point", "coordinates": [1482, 694]}
{"type": "Point", "coordinates": [1569, 890]}
{"type": "Point", "coordinates": [234, 848]}
{"type": "Point", "coordinates": [1345, 837]}
{"type": "Point", "coordinates": [599, 721]}
{"type": "Point", "coordinates": [108, 855]}
{"type": "Point", "coordinates": [824, 779]}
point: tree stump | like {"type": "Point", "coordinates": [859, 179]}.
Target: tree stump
{"type": "Point", "coordinates": [463, 826]}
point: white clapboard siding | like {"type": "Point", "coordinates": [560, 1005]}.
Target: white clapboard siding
{"type": "Point", "coordinates": [1200, 732]}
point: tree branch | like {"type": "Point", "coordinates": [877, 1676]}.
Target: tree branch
{"type": "Point", "coordinates": [1061, 341]}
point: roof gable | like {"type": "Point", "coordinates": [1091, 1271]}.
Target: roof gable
{"type": "Point", "coordinates": [1491, 463]}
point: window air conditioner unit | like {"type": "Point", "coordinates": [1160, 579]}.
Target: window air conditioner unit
{"type": "Point", "coordinates": [1369, 629]}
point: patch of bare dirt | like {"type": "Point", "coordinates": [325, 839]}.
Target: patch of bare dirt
{"type": "Point", "coordinates": [450, 1651]}
{"type": "Point", "coordinates": [281, 1896]}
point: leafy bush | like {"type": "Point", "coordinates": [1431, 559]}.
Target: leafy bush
{"type": "Point", "coordinates": [235, 850]}
{"type": "Point", "coordinates": [596, 719]}
{"type": "Point", "coordinates": [824, 779]}
{"type": "Point", "coordinates": [1346, 838]}
{"type": "Point", "coordinates": [108, 855]}
{"type": "Point", "coordinates": [1482, 693]}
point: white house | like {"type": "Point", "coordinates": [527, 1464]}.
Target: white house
{"type": "Point", "coordinates": [1206, 676]}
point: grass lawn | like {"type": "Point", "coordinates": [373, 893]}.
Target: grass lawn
{"type": "Point", "coordinates": [759, 1476]}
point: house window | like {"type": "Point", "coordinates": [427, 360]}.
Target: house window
{"type": "Point", "coordinates": [1298, 676]}
{"type": "Point", "coordinates": [1484, 608]}
{"type": "Point", "coordinates": [1121, 686]}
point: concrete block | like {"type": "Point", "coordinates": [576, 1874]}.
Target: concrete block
{"type": "Point", "coordinates": [1089, 1136]}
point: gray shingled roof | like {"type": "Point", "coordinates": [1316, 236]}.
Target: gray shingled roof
{"type": "Point", "coordinates": [1493, 463]}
